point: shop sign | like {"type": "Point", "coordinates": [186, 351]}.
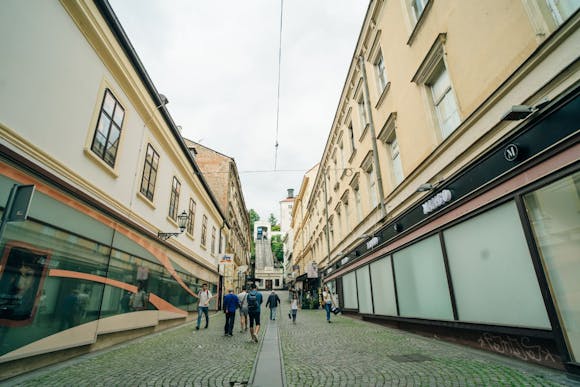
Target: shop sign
{"type": "Point", "coordinates": [312, 270]}
{"type": "Point", "coordinates": [510, 152]}
{"type": "Point", "coordinates": [437, 201]}
{"type": "Point", "coordinates": [227, 258]}
{"type": "Point", "coordinates": [372, 243]}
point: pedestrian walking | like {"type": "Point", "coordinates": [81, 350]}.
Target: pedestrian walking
{"type": "Point", "coordinates": [327, 300]}
{"type": "Point", "coordinates": [273, 301]}
{"type": "Point", "coordinates": [230, 303]}
{"type": "Point", "coordinates": [294, 307]}
{"type": "Point", "coordinates": [243, 302]}
{"type": "Point", "coordinates": [204, 297]}
{"type": "Point", "coordinates": [254, 308]}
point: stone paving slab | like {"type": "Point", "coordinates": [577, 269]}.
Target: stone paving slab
{"type": "Point", "coordinates": [178, 357]}
{"type": "Point", "coordinates": [351, 352]}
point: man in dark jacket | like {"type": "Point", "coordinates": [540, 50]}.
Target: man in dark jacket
{"type": "Point", "coordinates": [273, 301]}
{"type": "Point", "coordinates": [230, 305]}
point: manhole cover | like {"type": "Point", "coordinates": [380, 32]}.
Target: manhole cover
{"type": "Point", "coordinates": [414, 357]}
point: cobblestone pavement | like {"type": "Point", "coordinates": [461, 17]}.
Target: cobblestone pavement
{"type": "Point", "coordinates": [178, 357]}
{"type": "Point", "coordinates": [351, 352]}
{"type": "Point", "coordinates": [348, 352]}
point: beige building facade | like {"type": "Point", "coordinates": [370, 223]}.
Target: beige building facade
{"type": "Point", "coordinates": [455, 117]}
{"type": "Point", "coordinates": [221, 173]}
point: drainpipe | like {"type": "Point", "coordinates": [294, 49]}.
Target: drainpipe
{"type": "Point", "coordinates": [376, 166]}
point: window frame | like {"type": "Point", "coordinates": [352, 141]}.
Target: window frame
{"type": "Point", "coordinates": [102, 154]}
{"type": "Point", "coordinates": [203, 236]}
{"type": "Point", "coordinates": [148, 168]}
{"type": "Point", "coordinates": [174, 198]}
{"type": "Point", "coordinates": [190, 229]}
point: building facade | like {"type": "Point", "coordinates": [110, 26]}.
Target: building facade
{"type": "Point", "coordinates": [286, 206]}
{"type": "Point", "coordinates": [450, 176]}
{"type": "Point", "coordinates": [120, 230]}
{"type": "Point", "coordinates": [221, 173]}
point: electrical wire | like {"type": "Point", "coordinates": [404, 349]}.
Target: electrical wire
{"type": "Point", "coordinates": [278, 97]}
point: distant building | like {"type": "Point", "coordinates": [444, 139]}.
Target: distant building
{"type": "Point", "coordinates": [221, 173]}
{"type": "Point", "coordinates": [286, 228]}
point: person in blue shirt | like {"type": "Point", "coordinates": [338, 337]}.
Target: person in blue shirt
{"type": "Point", "coordinates": [230, 305]}
{"type": "Point", "coordinates": [254, 302]}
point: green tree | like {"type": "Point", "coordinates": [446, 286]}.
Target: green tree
{"type": "Point", "coordinates": [272, 220]}
{"type": "Point", "coordinates": [277, 249]}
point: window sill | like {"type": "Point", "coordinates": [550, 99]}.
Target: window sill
{"type": "Point", "coordinates": [171, 220]}
{"type": "Point", "coordinates": [104, 166]}
{"type": "Point", "coordinates": [145, 199]}
{"type": "Point", "coordinates": [383, 95]}
{"type": "Point", "coordinates": [420, 22]}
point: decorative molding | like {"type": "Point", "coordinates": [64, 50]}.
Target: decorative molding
{"type": "Point", "coordinates": [431, 60]}
{"type": "Point", "coordinates": [420, 22]}
{"type": "Point", "coordinates": [388, 128]}
{"type": "Point", "coordinates": [367, 163]}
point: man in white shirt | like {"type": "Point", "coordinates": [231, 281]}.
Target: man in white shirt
{"type": "Point", "coordinates": [204, 297]}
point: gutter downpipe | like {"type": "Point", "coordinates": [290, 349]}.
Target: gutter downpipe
{"type": "Point", "coordinates": [376, 166]}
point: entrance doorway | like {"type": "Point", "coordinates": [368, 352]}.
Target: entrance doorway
{"type": "Point", "coordinates": [268, 284]}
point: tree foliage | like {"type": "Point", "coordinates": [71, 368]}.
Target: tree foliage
{"type": "Point", "coordinates": [277, 248]}
{"type": "Point", "coordinates": [272, 220]}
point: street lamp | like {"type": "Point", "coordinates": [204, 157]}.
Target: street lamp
{"type": "Point", "coordinates": [181, 221]}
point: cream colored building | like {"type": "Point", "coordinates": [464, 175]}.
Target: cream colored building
{"type": "Point", "coordinates": [425, 175]}
{"type": "Point", "coordinates": [81, 120]}
{"type": "Point", "coordinates": [221, 173]}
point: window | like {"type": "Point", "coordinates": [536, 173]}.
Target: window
{"type": "Point", "coordinates": [346, 215]}
{"type": "Point", "coordinates": [203, 230]}
{"type": "Point", "coordinates": [372, 182]}
{"type": "Point", "coordinates": [149, 173]}
{"type": "Point", "coordinates": [444, 101]}
{"type": "Point", "coordinates": [213, 240]}
{"type": "Point", "coordinates": [397, 167]}
{"type": "Point", "coordinates": [349, 291]}
{"type": "Point", "coordinates": [108, 132]}
{"type": "Point", "coordinates": [357, 201]}
{"type": "Point", "coordinates": [562, 9]}
{"type": "Point", "coordinates": [383, 287]}
{"type": "Point", "coordinates": [363, 284]}
{"type": "Point", "coordinates": [335, 168]}
{"type": "Point", "coordinates": [381, 73]}
{"type": "Point", "coordinates": [174, 200]}
{"type": "Point", "coordinates": [351, 135]}
{"type": "Point", "coordinates": [191, 218]}
{"type": "Point", "coordinates": [418, 6]}
{"type": "Point", "coordinates": [342, 164]}
{"type": "Point", "coordinates": [362, 113]}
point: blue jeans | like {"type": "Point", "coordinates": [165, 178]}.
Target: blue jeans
{"type": "Point", "coordinates": [273, 312]}
{"type": "Point", "coordinates": [327, 306]}
{"type": "Point", "coordinates": [204, 310]}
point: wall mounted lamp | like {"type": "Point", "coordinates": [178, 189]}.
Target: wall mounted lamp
{"type": "Point", "coordinates": [181, 221]}
{"type": "Point", "coordinates": [519, 112]}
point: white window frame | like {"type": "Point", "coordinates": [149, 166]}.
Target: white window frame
{"type": "Point", "coordinates": [381, 72]}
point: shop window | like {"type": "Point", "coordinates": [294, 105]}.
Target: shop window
{"type": "Point", "coordinates": [105, 142]}
{"type": "Point", "coordinates": [554, 215]}
{"type": "Point", "coordinates": [365, 302]}
{"type": "Point", "coordinates": [383, 287]}
{"type": "Point", "coordinates": [174, 199]}
{"type": "Point", "coordinates": [490, 264]}
{"type": "Point", "coordinates": [149, 173]}
{"type": "Point", "coordinates": [349, 291]}
{"type": "Point", "coordinates": [421, 280]}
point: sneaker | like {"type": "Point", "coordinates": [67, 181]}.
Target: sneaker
{"type": "Point", "coordinates": [329, 321]}
{"type": "Point", "coordinates": [197, 328]}
{"type": "Point", "coordinates": [254, 338]}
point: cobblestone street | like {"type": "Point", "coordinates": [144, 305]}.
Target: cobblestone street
{"type": "Point", "coordinates": [348, 352]}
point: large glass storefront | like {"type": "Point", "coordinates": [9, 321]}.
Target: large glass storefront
{"type": "Point", "coordinates": [554, 213]}
{"type": "Point", "coordinates": [52, 281]}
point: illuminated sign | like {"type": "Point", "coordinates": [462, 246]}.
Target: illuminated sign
{"type": "Point", "coordinates": [437, 201]}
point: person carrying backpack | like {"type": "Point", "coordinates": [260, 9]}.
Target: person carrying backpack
{"type": "Point", "coordinates": [254, 301]}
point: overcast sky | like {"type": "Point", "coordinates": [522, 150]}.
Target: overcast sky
{"type": "Point", "coordinates": [217, 63]}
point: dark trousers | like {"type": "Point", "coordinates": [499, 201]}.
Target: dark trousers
{"type": "Point", "coordinates": [229, 326]}
{"type": "Point", "coordinates": [202, 310]}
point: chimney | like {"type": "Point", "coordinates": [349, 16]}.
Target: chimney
{"type": "Point", "coordinates": [290, 193]}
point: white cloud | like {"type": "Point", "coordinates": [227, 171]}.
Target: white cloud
{"type": "Point", "coordinates": [217, 62]}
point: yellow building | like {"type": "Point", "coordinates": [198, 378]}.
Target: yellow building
{"type": "Point", "coordinates": [447, 191]}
